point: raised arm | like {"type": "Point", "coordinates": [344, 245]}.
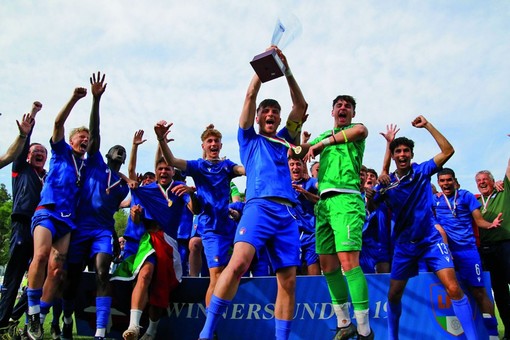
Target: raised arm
{"type": "Point", "coordinates": [16, 147]}
{"type": "Point", "coordinates": [247, 118]}
{"type": "Point", "coordinates": [162, 129]}
{"type": "Point", "coordinates": [137, 140]}
{"type": "Point", "coordinates": [97, 86]}
{"type": "Point", "coordinates": [299, 105]}
{"type": "Point", "coordinates": [391, 132]}
{"type": "Point", "coordinates": [58, 128]}
{"type": "Point", "coordinates": [447, 150]}
{"type": "Point", "coordinates": [352, 134]}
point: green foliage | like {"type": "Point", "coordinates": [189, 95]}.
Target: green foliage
{"type": "Point", "coordinates": [5, 223]}
{"type": "Point", "coordinates": [121, 218]}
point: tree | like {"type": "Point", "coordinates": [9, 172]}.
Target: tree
{"type": "Point", "coordinates": [121, 217]}
{"type": "Point", "coordinates": [5, 223]}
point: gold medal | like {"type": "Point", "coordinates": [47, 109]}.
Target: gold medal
{"type": "Point", "coordinates": [298, 149]}
{"type": "Point", "coordinates": [107, 191]}
{"type": "Point", "coordinates": [170, 203]}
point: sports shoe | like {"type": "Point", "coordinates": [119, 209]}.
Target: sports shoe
{"type": "Point", "coordinates": [343, 333]}
{"type": "Point", "coordinates": [23, 334]}
{"type": "Point", "coordinates": [131, 333]}
{"type": "Point", "coordinates": [35, 330]}
{"type": "Point", "coordinates": [55, 331]}
{"type": "Point", "coordinates": [67, 331]}
{"type": "Point", "coordinates": [370, 336]}
{"type": "Point", "coordinates": [148, 336]}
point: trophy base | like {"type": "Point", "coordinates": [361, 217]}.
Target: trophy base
{"type": "Point", "coordinates": [268, 65]}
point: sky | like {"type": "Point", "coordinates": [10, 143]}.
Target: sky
{"type": "Point", "coordinates": [187, 62]}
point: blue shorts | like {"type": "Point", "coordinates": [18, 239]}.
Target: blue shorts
{"type": "Point", "coordinates": [217, 249]}
{"type": "Point", "coordinates": [308, 252]}
{"type": "Point", "coordinates": [86, 243]}
{"type": "Point", "coordinates": [57, 224]}
{"type": "Point", "coordinates": [436, 256]}
{"type": "Point", "coordinates": [272, 224]}
{"type": "Point", "coordinates": [468, 266]}
{"type": "Point", "coordinates": [197, 229]}
{"type": "Point", "coordinates": [367, 260]}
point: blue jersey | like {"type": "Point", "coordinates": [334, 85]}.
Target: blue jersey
{"type": "Point", "coordinates": [456, 218]}
{"type": "Point", "coordinates": [101, 193]}
{"type": "Point", "coordinates": [375, 237]}
{"type": "Point", "coordinates": [186, 225]}
{"type": "Point", "coordinates": [213, 189]}
{"type": "Point", "coordinates": [410, 201]}
{"type": "Point", "coordinates": [134, 231]}
{"type": "Point", "coordinates": [267, 169]}
{"type": "Point", "coordinates": [305, 208]}
{"type": "Point", "coordinates": [61, 187]}
{"type": "Point", "coordinates": [162, 205]}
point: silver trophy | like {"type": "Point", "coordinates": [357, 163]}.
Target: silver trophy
{"type": "Point", "coordinates": [268, 65]}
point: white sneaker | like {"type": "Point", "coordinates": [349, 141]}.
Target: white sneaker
{"type": "Point", "coordinates": [131, 333]}
{"type": "Point", "coordinates": [148, 336]}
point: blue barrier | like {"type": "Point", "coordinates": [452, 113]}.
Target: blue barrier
{"type": "Point", "coordinates": [426, 314]}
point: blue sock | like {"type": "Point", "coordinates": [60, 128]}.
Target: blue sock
{"type": "Point", "coordinates": [34, 300]}
{"type": "Point", "coordinates": [214, 313]}
{"type": "Point", "coordinates": [282, 328]}
{"type": "Point", "coordinates": [394, 312]}
{"type": "Point", "coordinates": [45, 307]}
{"type": "Point", "coordinates": [491, 323]}
{"type": "Point", "coordinates": [103, 304]}
{"type": "Point", "coordinates": [464, 313]}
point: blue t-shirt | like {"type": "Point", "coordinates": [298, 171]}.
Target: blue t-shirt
{"type": "Point", "coordinates": [186, 225]}
{"type": "Point", "coordinates": [267, 169]}
{"type": "Point", "coordinates": [410, 201]}
{"type": "Point", "coordinates": [305, 208]}
{"type": "Point", "coordinates": [156, 205]}
{"type": "Point", "coordinates": [96, 206]}
{"type": "Point", "coordinates": [61, 189]}
{"type": "Point", "coordinates": [212, 180]}
{"type": "Point", "coordinates": [376, 234]}
{"type": "Point", "coordinates": [459, 228]}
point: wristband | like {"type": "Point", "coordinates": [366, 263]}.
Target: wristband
{"type": "Point", "coordinates": [345, 137]}
{"type": "Point", "coordinates": [326, 142]}
{"type": "Point", "coordinates": [288, 72]}
{"type": "Point", "coordinates": [333, 135]}
{"type": "Point", "coordinates": [22, 136]}
{"type": "Point", "coordinates": [161, 139]}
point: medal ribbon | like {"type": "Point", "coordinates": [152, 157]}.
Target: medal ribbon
{"type": "Point", "coordinates": [453, 211]}
{"type": "Point", "coordinates": [77, 170]}
{"type": "Point", "coordinates": [394, 184]}
{"type": "Point", "coordinates": [108, 187]}
{"type": "Point", "coordinates": [486, 203]}
{"type": "Point", "coordinates": [165, 192]}
{"type": "Point", "coordinates": [296, 149]}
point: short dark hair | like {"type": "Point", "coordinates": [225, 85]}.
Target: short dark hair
{"type": "Point", "coordinates": [372, 171]}
{"type": "Point", "coordinates": [36, 144]}
{"type": "Point", "coordinates": [401, 141]}
{"type": "Point", "coordinates": [149, 174]}
{"type": "Point", "coordinates": [269, 103]}
{"type": "Point", "coordinates": [446, 171]}
{"type": "Point", "coordinates": [347, 98]}
{"type": "Point", "coordinates": [295, 158]}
